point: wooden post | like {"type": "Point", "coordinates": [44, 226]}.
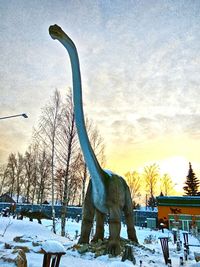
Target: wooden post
{"type": "Point", "coordinates": [165, 248]}
{"type": "Point", "coordinates": [169, 263]}
{"type": "Point", "coordinates": [181, 261]}
{"type": "Point", "coordinates": [128, 254]}
{"type": "Point", "coordinates": [186, 244]}
{"type": "Point", "coordinates": [52, 251]}
{"type": "Point", "coordinates": [52, 259]}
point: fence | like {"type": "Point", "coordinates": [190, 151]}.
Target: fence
{"type": "Point", "coordinates": [72, 212]}
{"type": "Point", "coordinates": [141, 217]}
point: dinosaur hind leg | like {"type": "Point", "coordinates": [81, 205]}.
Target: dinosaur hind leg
{"type": "Point", "coordinates": [99, 234]}
{"type": "Point", "coordinates": [114, 230]}
{"type": "Point", "coordinates": [87, 217]}
{"type": "Point", "coordinates": [128, 213]}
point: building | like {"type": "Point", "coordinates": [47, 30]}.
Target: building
{"type": "Point", "coordinates": [6, 198]}
{"type": "Point", "coordinates": [182, 211]}
{"type": "Point", "coordinates": [145, 218]}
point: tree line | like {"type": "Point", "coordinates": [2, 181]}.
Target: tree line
{"type": "Point", "coordinates": [156, 184]}
{"type": "Point", "coordinates": [153, 182]}
{"type": "Point", "coordinates": [52, 167]}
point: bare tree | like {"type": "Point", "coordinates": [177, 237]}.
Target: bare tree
{"type": "Point", "coordinates": [83, 173]}
{"type": "Point", "coordinates": [19, 175]}
{"type": "Point", "coordinates": [151, 175]}
{"type": "Point", "coordinates": [74, 185]}
{"type": "Point", "coordinates": [67, 142]}
{"type": "Point", "coordinates": [59, 185]}
{"type": "Point", "coordinates": [14, 173]}
{"type": "Point", "coordinates": [134, 182]}
{"type": "Point", "coordinates": [44, 170]}
{"type": "Point", "coordinates": [49, 123]}
{"type": "Point", "coordinates": [166, 184]}
{"type": "Point", "coordinates": [32, 167]}
{"type": "Point", "coordinates": [28, 165]}
{"type": "Point", "coordinates": [2, 178]}
{"type": "Point", "coordinates": [11, 173]}
{"type": "Point", "coordinates": [30, 172]}
{"type": "Point", "coordinates": [54, 154]}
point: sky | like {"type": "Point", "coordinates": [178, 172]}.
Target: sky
{"type": "Point", "coordinates": [140, 64]}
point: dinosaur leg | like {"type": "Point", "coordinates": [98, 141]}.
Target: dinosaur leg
{"type": "Point", "coordinates": [87, 218]}
{"type": "Point", "coordinates": [99, 234]}
{"type": "Point", "coordinates": [128, 213]}
{"type": "Point", "coordinates": [130, 226]}
{"type": "Point", "coordinates": [114, 230]}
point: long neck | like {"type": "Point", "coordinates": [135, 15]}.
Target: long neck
{"type": "Point", "coordinates": [94, 168]}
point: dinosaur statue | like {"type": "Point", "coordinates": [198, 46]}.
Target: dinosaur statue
{"type": "Point", "coordinates": [39, 215]}
{"type": "Point", "coordinates": [107, 192]}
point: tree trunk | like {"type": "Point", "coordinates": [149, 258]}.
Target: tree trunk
{"type": "Point", "coordinates": [84, 182]}
{"type": "Point", "coordinates": [52, 185]}
{"type": "Point", "coordinates": [65, 197]}
{"type": "Point", "coordinates": [65, 200]}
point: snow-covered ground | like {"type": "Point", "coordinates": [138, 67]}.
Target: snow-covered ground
{"type": "Point", "coordinates": [35, 235]}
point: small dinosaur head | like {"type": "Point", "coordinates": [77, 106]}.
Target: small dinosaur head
{"type": "Point", "coordinates": [56, 32]}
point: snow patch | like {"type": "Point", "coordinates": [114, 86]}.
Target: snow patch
{"type": "Point", "coordinates": [52, 246]}
{"type": "Point", "coordinates": [121, 264]}
{"type": "Point", "coordinates": [40, 234]}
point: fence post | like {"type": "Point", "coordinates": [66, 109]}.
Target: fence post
{"type": "Point", "coordinates": [185, 254]}
{"type": "Point", "coordinates": [174, 232]}
{"type": "Point", "coordinates": [181, 261]}
{"type": "Point", "coordinates": [169, 263]}
{"type": "Point", "coordinates": [186, 244]}
{"type": "Point", "coordinates": [165, 248]}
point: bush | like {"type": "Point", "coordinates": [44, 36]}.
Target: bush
{"type": "Point", "coordinates": [150, 239]}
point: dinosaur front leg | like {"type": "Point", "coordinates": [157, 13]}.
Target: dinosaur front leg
{"type": "Point", "coordinates": [99, 233]}
{"type": "Point", "coordinates": [87, 217]}
{"type": "Point", "coordinates": [114, 231]}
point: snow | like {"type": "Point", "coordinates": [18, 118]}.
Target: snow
{"type": "Point", "coordinates": [51, 246]}
{"type": "Point", "coordinates": [37, 236]}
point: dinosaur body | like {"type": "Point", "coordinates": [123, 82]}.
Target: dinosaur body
{"type": "Point", "coordinates": [118, 200]}
{"type": "Point", "coordinates": [107, 193]}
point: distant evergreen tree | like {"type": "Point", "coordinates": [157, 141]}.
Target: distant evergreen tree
{"type": "Point", "coordinates": [152, 202]}
{"type": "Point", "coordinates": [136, 206]}
{"type": "Point", "coordinates": [161, 194]}
{"type": "Point", "coordinates": [192, 183]}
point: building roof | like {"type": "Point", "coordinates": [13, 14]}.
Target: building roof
{"type": "Point", "coordinates": [6, 198]}
{"type": "Point", "coordinates": [185, 201]}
